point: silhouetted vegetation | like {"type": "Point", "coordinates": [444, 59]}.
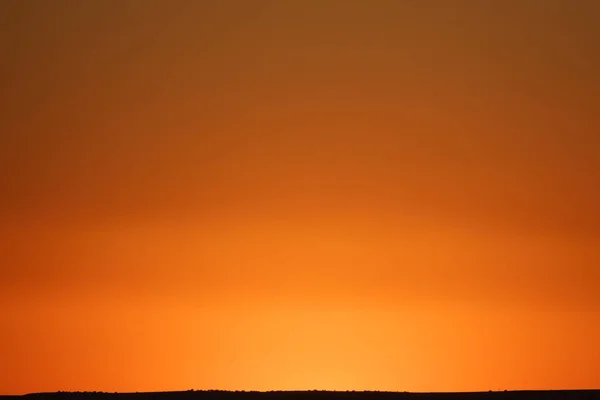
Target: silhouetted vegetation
{"type": "Point", "coordinates": [192, 394]}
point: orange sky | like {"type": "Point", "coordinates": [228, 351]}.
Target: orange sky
{"type": "Point", "coordinates": [299, 194]}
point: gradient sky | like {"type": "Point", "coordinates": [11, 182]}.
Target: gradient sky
{"type": "Point", "coordinates": [299, 194]}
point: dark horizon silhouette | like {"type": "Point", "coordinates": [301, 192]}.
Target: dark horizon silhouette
{"type": "Point", "coordinates": [191, 394]}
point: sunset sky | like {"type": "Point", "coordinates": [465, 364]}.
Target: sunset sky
{"type": "Point", "coordinates": [299, 194]}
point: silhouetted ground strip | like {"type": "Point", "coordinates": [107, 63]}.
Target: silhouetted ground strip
{"type": "Point", "coordinates": [313, 395]}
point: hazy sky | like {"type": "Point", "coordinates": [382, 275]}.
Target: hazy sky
{"type": "Point", "coordinates": [299, 194]}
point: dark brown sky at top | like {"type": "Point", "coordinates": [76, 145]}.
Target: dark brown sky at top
{"type": "Point", "coordinates": [480, 110]}
{"type": "Point", "coordinates": [380, 150]}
